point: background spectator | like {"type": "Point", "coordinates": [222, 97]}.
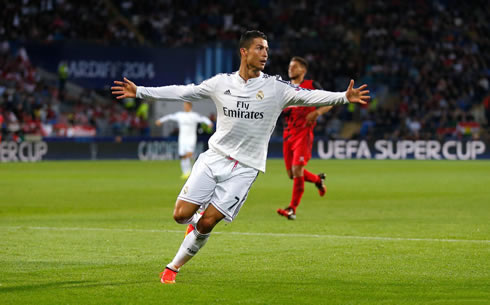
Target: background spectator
{"type": "Point", "coordinates": [425, 61]}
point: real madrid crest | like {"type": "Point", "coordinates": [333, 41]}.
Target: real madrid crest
{"type": "Point", "coordinates": [260, 95]}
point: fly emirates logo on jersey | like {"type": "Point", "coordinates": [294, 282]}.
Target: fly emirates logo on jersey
{"type": "Point", "coordinates": [242, 111]}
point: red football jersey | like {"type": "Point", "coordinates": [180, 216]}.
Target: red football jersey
{"type": "Point", "coordinates": [295, 116]}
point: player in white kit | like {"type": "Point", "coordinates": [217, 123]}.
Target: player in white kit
{"type": "Point", "coordinates": [248, 103]}
{"type": "Point", "coordinates": [188, 122]}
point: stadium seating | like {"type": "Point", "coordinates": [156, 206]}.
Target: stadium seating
{"type": "Point", "coordinates": [422, 87]}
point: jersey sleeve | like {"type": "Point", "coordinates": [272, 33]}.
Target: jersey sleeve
{"type": "Point", "coordinates": [290, 95]}
{"type": "Point", "coordinates": [205, 120]}
{"type": "Point", "coordinates": [168, 117]}
{"type": "Point", "coordinates": [187, 93]}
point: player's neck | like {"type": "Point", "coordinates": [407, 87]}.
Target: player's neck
{"type": "Point", "coordinates": [247, 73]}
{"type": "Point", "coordinates": [297, 81]}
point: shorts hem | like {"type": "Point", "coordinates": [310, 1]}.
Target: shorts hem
{"type": "Point", "coordinates": [227, 217]}
{"type": "Point", "coordinates": [304, 163]}
{"type": "Point", "coordinates": [190, 200]}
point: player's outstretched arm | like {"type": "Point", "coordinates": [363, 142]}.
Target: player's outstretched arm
{"type": "Point", "coordinates": [124, 89]}
{"type": "Point", "coordinates": [357, 95]}
{"type": "Point", "coordinates": [172, 93]}
{"type": "Point", "coordinates": [165, 118]}
{"type": "Point", "coordinates": [289, 95]}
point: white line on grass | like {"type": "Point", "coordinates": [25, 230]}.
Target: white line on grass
{"type": "Point", "coordinates": [484, 241]}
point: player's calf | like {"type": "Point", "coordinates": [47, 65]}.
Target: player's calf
{"type": "Point", "coordinates": [194, 222]}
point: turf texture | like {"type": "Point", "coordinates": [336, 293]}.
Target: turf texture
{"type": "Point", "coordinates": [387, 232]}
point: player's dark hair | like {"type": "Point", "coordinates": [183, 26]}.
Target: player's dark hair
{"type": "Point", "coordinates": [248, 37]}
{"type": "Point", "coordinates": [301, 60]}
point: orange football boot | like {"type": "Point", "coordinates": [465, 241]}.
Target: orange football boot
{"type": "Point", "coordinates": [167, 276]}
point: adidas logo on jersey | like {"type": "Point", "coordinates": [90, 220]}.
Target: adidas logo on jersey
{"type": "Point", "coordinates": [228, 92]}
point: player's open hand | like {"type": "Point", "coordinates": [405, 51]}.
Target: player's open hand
{"type": "Point", "coordinates": [124, 89]}
{"type": "Point", "coordinates": [357, 95]}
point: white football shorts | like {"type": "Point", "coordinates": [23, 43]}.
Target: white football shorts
{"type": "Point", "coordinates": [186, 146]}
{"type": "Point", "coordinates": [220, 181]}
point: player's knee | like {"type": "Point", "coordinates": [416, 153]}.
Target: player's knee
{"type": "Point", "coordinates": [180, 217]}
{"type": "Point", "coordinates": [297, 172]}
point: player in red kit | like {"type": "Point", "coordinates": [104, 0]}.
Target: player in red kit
{"type": "Point", "coordinates": [298, 139]}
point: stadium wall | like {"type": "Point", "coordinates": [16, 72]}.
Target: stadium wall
{"type": "Point", "coordinates": [147, 149]}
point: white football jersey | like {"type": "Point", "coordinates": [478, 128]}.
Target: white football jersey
{"type": "Point", "coordinates": [247, 111]}
{"type": "Point", "coordinates": [187, 122]}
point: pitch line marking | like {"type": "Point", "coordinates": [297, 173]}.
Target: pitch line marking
{"type": "Point", "coordinates": [484, 241]}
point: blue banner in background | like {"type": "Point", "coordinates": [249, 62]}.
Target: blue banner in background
{"type": "Point", "coordinates": [148, 148]}
{"type": "Point", "coordinates": [95, 66]}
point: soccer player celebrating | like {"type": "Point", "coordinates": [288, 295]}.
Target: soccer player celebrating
{"type": "Point", "coordinates": [187, 121]}
{"type": "Point", "coordinates": [248, 103]}
{"type": "Point", "coordinates": [298, 139]}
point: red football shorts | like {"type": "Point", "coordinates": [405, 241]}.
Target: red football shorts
{"type": "Point", "coordinates": [296, 149]}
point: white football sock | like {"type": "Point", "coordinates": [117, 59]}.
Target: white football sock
{"type": "Point", "coordinates": [189, 247]}
{"type": "Point", "coordinates": [185, 165]}
{"type": "Point", "coordinates": [195, 218]}
{"type": "Point", "coordinates": [188, 166]}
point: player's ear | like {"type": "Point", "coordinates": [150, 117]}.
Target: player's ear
{"type": "Point", "coordinates": [243, 51]}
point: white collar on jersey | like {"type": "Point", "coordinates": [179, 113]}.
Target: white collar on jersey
{"type": "Point", "coordinates": [242, 81]}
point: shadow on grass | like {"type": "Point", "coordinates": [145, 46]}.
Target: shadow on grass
{"type": "Point", "coordinates": [66, 284]}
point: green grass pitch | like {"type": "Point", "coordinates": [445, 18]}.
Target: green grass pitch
{"type": "Point", "coordinates": [388, 232]}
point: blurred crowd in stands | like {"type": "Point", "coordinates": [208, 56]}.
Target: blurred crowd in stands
{"type": "Point", "coordinates": [424, 61]}
{"type": "Point", "coordinates": [35, 107]}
